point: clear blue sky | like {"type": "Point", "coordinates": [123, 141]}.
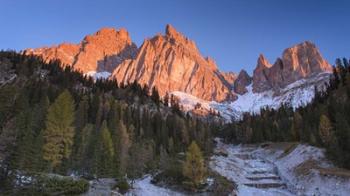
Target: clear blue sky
{"type": "Point", "coordinates": [233, 32]}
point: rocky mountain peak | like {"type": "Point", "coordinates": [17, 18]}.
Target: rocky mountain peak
{"type": "Point", "coordinates": [297, 62]}
{"type": "Point", "coordinates": [173, 63]}
{"type": "Point", "coordinates": [104, 50]}
{"type": "Point", "coordinates": [111, 33]}
{"type": "Point", "coordinates": [230, 77]}
{"type": "Point", "coordinates": [170, 31]}
{"type": "Point", "coordinates": [260, 76]}
{"type": "Point", "coordinates": [101, 51]}
{"type": "Point", "coordinates": [211, 63]}
{"type": "Point", "coordinates": [263, 62]}
{"type": "Point", "coordinates": [178, 38]}
{"type": "Point", "coordinates": [305, 58]}
{"type": "Point", "coordinates": [242, 81]}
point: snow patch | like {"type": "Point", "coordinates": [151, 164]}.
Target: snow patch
{"type": "Point", "coordinates": [247, 171]}
{"type": "Point", "coordinates": [144, 187]}
{"type": "Point", "coordinates": [296, 94]}
{"type": "Point", "coordinates": [307, 184]}
{"type": "Point", "coordinates": [98, 75]}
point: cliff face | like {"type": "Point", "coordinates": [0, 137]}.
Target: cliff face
{"type": "Point", "coordinates": [102, 51]}
{"type": "Point", "coordinates": [242, 81]}
{"type": "Point", "coordinates": [172, 62]}
{"type": "Point", "coordinates": [297, 62]}
{"type": "Point", "coordinates": [65, 52]}
{"type": "Point", "coordinates": [230, 77]}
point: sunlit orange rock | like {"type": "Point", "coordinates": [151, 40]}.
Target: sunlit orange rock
{"type": "Point", "coordinates": [300, 61]}
{"type": "Point", "coordinates": [102, 51]}
{"type": "Point", "coordinates": [172, 62]}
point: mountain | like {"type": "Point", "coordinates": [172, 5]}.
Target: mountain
{"type": "Point", "coordinates": [230, 77]}
{"type": "Point", "coordinates": [173, 64]}
{"type": "Point", "coordinates": [291, 80]}
{"type": "Point", "coordinates": [100, 52]}
{"type": "Point", "coordinates": [296, 94]}
{"type": "Point", "coordinates": [169, 62]}
{"type": "Point", "coordinates": [298, 62]}
{"type": "Point", "coordinates": [242, 81]}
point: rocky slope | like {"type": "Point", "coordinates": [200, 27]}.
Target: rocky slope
{"type": "Point", "coordinates": [172, 63]}
{"type": "Point", "coordinates": [298, 62]}
{"type": "Point", "coordinates": [230, 77]}
{"type": "Point", "coordinates": [169, 62]}
{"type": "Point", "coordinates": [279, 169]}
{"type": "Point", "coordinates": [241, 83]}
{"type": "Point", "coordinates": [102, 51]}
{"type": "Point", "coordinates": [296, 94]}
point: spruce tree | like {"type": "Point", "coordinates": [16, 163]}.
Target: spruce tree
{"type": "Point", "coordinates": [296, 128]}
{"type": "Point", "coordinates": [105, 151]}
{"type": "Point", "coordinates": [59, 132]}
{"type": "Point", "coordinates": [155, 95]}
{"type": "Point", "coordinates": [83, 151]}
{"type": "Point", "coordinates": [124, 144]}
{"type": "Point", "coordinates": [82, 114]}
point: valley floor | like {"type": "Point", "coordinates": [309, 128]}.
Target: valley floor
{"type": "Point", "coordinates": [144, 187]}
{"type": "Point", "coordinates": [270, 169]}
{"type": "Point", "coordinates": [279, 169]}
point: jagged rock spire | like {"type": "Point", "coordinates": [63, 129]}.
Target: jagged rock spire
{"type": "Point", "coordinates": [297, 62]}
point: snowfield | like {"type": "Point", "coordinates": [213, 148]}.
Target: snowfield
{"type": "Point", "coordinates": [296, 94]}
{"type": "Point", "coordinates": [273, 170]}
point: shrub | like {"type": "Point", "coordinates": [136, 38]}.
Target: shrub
{"type": "Point", "coordinates": [57, 185]}
{"type": "Point", "coordinates": [223, 186]}
{"type": "Point", "coordinates": [123, 186]}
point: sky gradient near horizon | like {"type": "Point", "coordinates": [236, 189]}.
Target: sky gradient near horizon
{"type": "Point", "coordinates": [233, 32]}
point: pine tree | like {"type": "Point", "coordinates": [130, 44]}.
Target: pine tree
{"type": "Point", "coordinates": [141, 159]}
{"type": "Point", "coordinates": [342, 132]}
{"type": "Point", "coordinates": [82, 114]}
{"type": "Point", "coordinates": [155, 95]}
{"type": "Point", "coordinates": [166, 99]}
{"type": "Point", "coordinates": [124, 144]}
{"type": "Point", "coordinates": [346, 63]}
{"type": "Point", "coordinates": [113, 116]}
{"type": "Point", "coordinates": [325, 129]}
{"type": "Point", "coordinates": [86, 149]}
{"type": "Point", "coordinates": [335, 82]}
{"type": "Point", "coordinates": [296, 128]}
{"type": "Point", "coordinates": [59, 132]}
{"type": "Point", "coordinates": [194, 168]}
{"type": "Point", "coordinates": [105, 152]}
{"type": "Point", "coordinates": [81, 119]}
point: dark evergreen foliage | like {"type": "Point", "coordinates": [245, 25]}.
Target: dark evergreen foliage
{"type": "Point", "coordinates": [113, 125]}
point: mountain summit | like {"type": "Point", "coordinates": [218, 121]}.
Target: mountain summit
{"type": "Point", "coordinates": [171, 62]}
{"type": "Point", "coordinates": [102, 51]}
{"type": "Point", "coordinates": [298, 62]}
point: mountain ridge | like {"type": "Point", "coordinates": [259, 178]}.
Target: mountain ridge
{"type": "Point", "coordinates": [171, 62]}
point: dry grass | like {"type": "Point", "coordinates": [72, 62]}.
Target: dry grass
{"type": "Point", "coordinates": [288, 149]}
{"type": "Point", "coordinates": [344, 173]}
{"type": "Point", "coordinates": [306, 167]}
{"type": "Point", "coordinates": [278, 145]}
